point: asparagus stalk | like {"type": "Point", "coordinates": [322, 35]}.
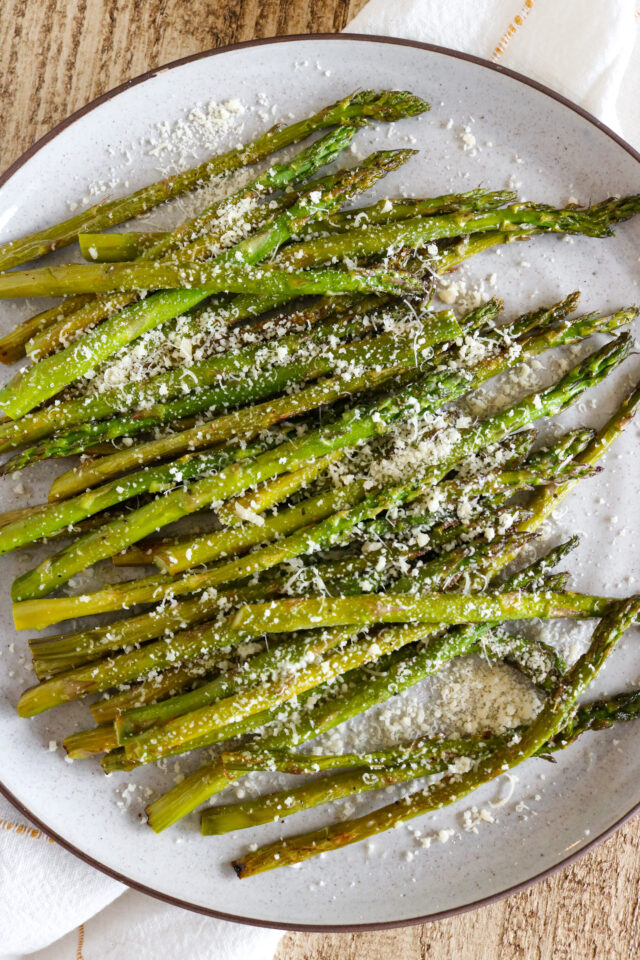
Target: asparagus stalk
{"type": "Point", "coordinates": [389, 355]}
{"type": "Point", "coordinates": [494, 484]}
{"type": "Point", "coordinates": [246, 423]}
{"type": "Point", "coordinates": [528, 345]}
{"type": "Point", "coordinates": [360, 689]}
{"type": "Point", "coordinates": [67, 652]}
{"type": "Point", "coordinates": [178, 381]}
{"type": "Point", "coordinates": [174, 383]}
{"type": "Point", "coordinates": [52, 374]}
{"type": "Point", "coordinates": [278, 616]}
{"type": "Point", "coordinates": [90, 311]}
{"type": "Point", "coordinates": [550, 721]}
{"type": "Point", "coordinates": [176, 558]}
{"type": "Point", "coordinates": [50, 329]}
{"type": "Point", "coordinates": [119, 247]}
{"type": "Point", "coordinates": [368, 105]}
{"type": "Point", "coordinates": [53, 653]}
{"type": "Point", "coordinates": [148, 690]}
{"type": "Point", "coordinates": [594, 221]}
{"type": "Point", "coordinates": [351, 428]}
{"type": "Point", "coordinates": [12, 345]}
{"type": "Point", "coordinates": [418, 231]}
{"type": "Point", "coordinates": [210, 277]}
{"type": "Point", "coordinates": [382, 768]}
{"type": "Point", "coordinates": [600, 715]}
{"type": "Point", "coordinates": [461, 640]}
{"type": "Point", "coordinates": [276, 806]}
{"type": "Point", "coordinates": [129, 666]}
{"type": "Point", "coordinates": [269, 662]}
{"type": "Point", "coordinates": [387, 679]}
{"type": "Point", "coordinates": [57, 516]}
{"type": "Point", "coordinates": [399, 671]}
{"type": "Point", "coordinates": [244, 306]}
{"type": "Point", "coordinates": [547, 499]}
{"type": "Point", "coordinates": [186, 728]}
{"type": "Point", "coordinates": [334, 527]}
{"type": "Point", "coordinates": [547, 403]}
{"type": "Point", "coordinates": [388, 211]}
{"type": "Point", "coordinates": [87, 743]}
{"type": "Point", "coordinates": [295, 651]}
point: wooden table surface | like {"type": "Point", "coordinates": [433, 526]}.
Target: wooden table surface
{"type": "Point", "coordinates": [58, 54]}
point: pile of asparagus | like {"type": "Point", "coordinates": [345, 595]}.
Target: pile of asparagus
{"type": "Point", "coordinates": [356, 527]}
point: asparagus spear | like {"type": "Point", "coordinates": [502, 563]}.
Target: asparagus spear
{"type": "Point", "coordinates": [294, 651]}
{"type": "Point", "coordinates": [388, 211]}
{"type": "Point", "coordinates": [246, 423]}
{"type": "Point", "coordinates": [350, 429]}
{"type": "Point", "coordinates": [70, 651]}
{"type": "Point", "coordinates": [378, 769]}
{"type": "Point", "coordinates": [594, 221]}
{"type": "Point", "coordinates": [401, 670]}
{"type": "Point", "coordinates": [548, 498]}
{"type": "Point", "coordinates": [50, 329]}
{"type": "Point", "coordinates": [360, 689]}
{"type": "Point", "coordinates": [392, 673]}
{"type": "Point", "coordinates": [57, 516]}
{"type": "Point", "coordinates": [174, 383]}
{"type": "Point", "coordinates": [52, 374]}
{"type": "Point", "coordinates": [119, 247]}
{"type": "Point", "coordinates": [493, 483]}
{"type": "Point", "coordinates": [177, 382]}
{"type": "Point", "coordinates": [367, 105]}
{"type": "Point", "coordinates": [278, 175]}
{"type": "Point", "coordinates": [87, 743]}
{"type": "Point", "coordinates": [547, 403]}
{"type": "Point", "coordinates": [174, 554]}
{"type": "Point", "coordinates": [50, 653]}
{"type": "Point", "coordinates": [178, 557]}
{"type": "Point", "coordinates": [210, 277]}
{"type": "Point", "coordinates": [129, 666]}
{"type": "Point", "coordinates": [268, 662]}
{"type": "Point", "coordinates": [551, 719]}
{"type": "Point", "coordinates": [279, 616]}
{"type": "Point", "coordinates": [12, 345]}
{"type": "Point", "coordinates": [379, 686]}
{"type": "Point", "coordinates": [418, 231]}
{"type": "Point", "coordinates": [468, 635]}
{"type": "Point", "coordinates": [54, 655]}
{"type": "Point", "coordinates": [529, 345]}
{"type": "Point", "coordinates": [244, 306]}
{"type": "Point", "coordinates": [486, 433]}
{"type": "Point", "coordinates": [187, 729]}
{"type": "Point", "coordinates": [386, 356]}
{"type": "Point", "coordinates": [89, 278]}
{"type": "Point", "coordinates": [599, 715]}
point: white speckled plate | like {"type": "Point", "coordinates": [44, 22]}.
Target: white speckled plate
{"type": "Point", "coordinates": [554, 151]}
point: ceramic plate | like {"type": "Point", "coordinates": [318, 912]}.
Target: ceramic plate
{"type": "Point", "coordinates": [521, 135]}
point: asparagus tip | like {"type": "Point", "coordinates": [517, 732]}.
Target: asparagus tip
{"type": "Point", "coordinates": [390, 105]}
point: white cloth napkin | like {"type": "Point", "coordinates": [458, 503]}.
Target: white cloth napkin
{"type": "Point", "coordinates": [54, 904]}
{"type": "Point", "coordinates": [55, 907]}
{"type": "Point", "coordinates": [588, 50]}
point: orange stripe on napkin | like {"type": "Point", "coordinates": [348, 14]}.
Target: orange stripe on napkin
{"type": "Point", "coordinates": [23, 828]}
{"type": "Point", "coordinates": [79, 955]}
{"type": "Point", "coordinates": [513, 28]}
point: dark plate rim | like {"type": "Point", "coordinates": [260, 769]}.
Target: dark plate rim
{"type": "Point", "coordinates": [175, 901]}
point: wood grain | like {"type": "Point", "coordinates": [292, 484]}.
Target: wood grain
{"type": "Point", "coordinates": [58, 54]}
